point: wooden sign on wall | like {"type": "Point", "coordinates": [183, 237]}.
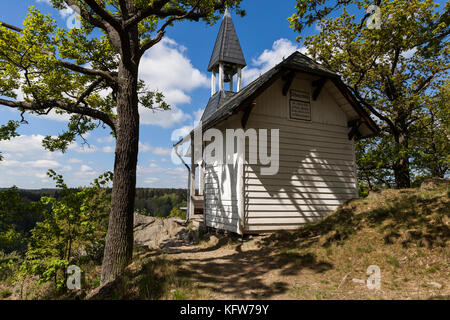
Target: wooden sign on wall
{"type": "Point", "coordinates": [300, 105]}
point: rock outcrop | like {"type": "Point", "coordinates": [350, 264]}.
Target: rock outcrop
{"type": "Point", "coordinates": [157, 233]}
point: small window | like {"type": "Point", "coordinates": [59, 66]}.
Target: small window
{"type": "Point", "coordinates": [299, 105]}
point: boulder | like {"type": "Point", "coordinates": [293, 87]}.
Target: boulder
{"type": "Point", "coordinates": [141, 221]}
{"type": "Point", "coordinates": [157, 233]}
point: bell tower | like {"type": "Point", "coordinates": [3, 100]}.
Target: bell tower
{"type": "Point", "coordinates": [227, 59]}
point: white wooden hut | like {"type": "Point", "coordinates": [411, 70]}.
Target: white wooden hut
{"type": "Point", "coordinates": [318, 120]}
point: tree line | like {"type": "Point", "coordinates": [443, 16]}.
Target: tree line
{"type": "Point", "coordinates": [44, 231]}
{"type": "Point", "coordinates": [396, 66]}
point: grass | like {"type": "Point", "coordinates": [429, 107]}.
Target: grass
{"type": "Point", "coordinates": [150, 278]}
{"type": "Point", "coordinates": [5, 293]}
{"type": "Point", "coordinates": [403, 232]}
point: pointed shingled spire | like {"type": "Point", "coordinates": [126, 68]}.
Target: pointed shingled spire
{"type": "Point", "coordinates": [227, 13]}
{"type": "Point", "coordinates": [227, 48]}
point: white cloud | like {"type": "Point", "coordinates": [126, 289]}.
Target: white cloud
{"type": "Point", "coordinates": [22, 143]}
{"type": "Point", "coordinates": [180, 133]}
{"type": "Point", "coordinates": [409, 53]}
{"type": "Point", "coordinates": [281, 48]}
{"type": "Point", "coordinates": [166, 68]}
{"type": "Point", "coordinates": [40, 164]}
{"type": "Point", "coordinates": [82, 148]}
{"type": "Point", "coordinates": [108, 149]}
{"type": "Point", "coordinates": [73, 160]}
{"type": "Point", "coordinates": [25, 156]}
{"type": "Point", "coordinates": [86, 171]}
{"type": "Point", "coordinates": [151, 180]}
{"type": "Point", "coordinates": [160, 151]}
{"type": "Point", "coordinates": [65, 12]}
{"type": "Point", "coordinates": [85, 168]}
{"type": "Point", "coordinates": [154, 175]}
{"type": "Point", "coordinates": [26, 163]}
{"type": "Point", "coordinates": [165, 119]}
{"type": "Point", "coordinates": [198, 114]}
{"type": "Point", "coordinates": [44, 164]}
{"type": "Point", "coordinates": [107, 139]}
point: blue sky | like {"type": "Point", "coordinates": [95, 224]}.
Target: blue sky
{"type": "Point", "coordinates": [178, 67]}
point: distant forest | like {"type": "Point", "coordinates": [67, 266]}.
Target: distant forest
{"type": "Point", "coordinates": [156, 202]}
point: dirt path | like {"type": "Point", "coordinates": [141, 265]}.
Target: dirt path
{"type": "Point", "coordinates": [249, 269]}
{"type": "Point", "coordinates": [232, 271]}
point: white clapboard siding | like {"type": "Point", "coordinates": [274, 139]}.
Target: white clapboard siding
{"type": "Point", "coordinates": [313, 176]}
{"type": "Point", "coordinates": [219, 203]}
{"type": "Point", "coordinates": [294, 202]}
{"type": "Point", "coordinates": [221, 191]}
{"type": "Point", "coordinates": [298, 195]}
{"type": "Point", "coordinates": [316, 162]}
{"type": "Point", "coordinates": [289, 207]}
{"type": "Point", "coordinates": [300, 163]}
{"type": "Point", "coordinates": [295, 127]}
{"type": "Point", "coordinates": [314, 135]}
{"type": "Point", "coordinates": [283, 184]}
{"type": "Point", "coordinates": [324, 111]}
{"type": "Point", "coordinates": [274, 196]}
{"type": "Point", "coordinates": [297, 214]}
{"type": "Point", "coordinates": [304, 172]}
{"type": "Point", "coordinates": [252, 228]}
{"type": "Point", "coordinates": [311, 190]}
{"type": "Point", "coordinates": [283, 220]}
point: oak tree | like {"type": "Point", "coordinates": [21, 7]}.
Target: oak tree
{"type": "Point", "coordinates": [91, 73]}
{"type": "Point", "coordinates": [394, 56]}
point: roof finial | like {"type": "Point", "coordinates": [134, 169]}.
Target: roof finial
{"type": "Point", "coordinates": [227, 13]}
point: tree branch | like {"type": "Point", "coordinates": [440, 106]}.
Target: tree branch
{"type": "Point", "coordinates": [151, 42]}
{"type": "Point", "coordinates": [11, 27]}
{"type": "Point", "coordinates": [156, 9]}
{"type": "Point", "coordinates": [145, 13]}
{"type": "Point", "coordinates": [395, 62]}
{"type": "Point", "coordinates": [374, 111]}
{"type": "Point", "coordinates": [110, 30]}
{"type": "Point", "coordinates": [104, 14]}
{"type": "Point", "coordinates": [424, 84]}
{"type": "Point", "coordinates": [88, 91]}
{"type": "Point", "coordinates": [69, 107]}
{"type": "Point", "coordinates": [109, 76]}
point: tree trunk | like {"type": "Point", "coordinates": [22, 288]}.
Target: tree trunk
{"type": "Point", "coordinates": [401, 165]}
{"type": "Point", "coordinates": [119, 240]}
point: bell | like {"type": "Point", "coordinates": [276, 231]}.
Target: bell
{"type": "Point", "coordinates": [227, 77]}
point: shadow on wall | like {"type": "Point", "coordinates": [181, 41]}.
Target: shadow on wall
{"type": "Point", "coordinates": [308, 186]}
{"type": "Point", "coordinates": [221, 194]}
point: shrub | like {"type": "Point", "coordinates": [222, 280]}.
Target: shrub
{"type": "Point", "coordinates": [71, 230]}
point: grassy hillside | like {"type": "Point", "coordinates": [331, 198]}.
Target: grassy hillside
{"type": "Point", "coordinates": [404, 232]}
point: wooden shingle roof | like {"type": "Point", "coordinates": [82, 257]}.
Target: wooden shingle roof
{"type": "Point", "coordinates": [227, 48]}
{"type": "Point", "coordinates": [296, 62]}
{"type": "Point", "coordinates": [215, 102]}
